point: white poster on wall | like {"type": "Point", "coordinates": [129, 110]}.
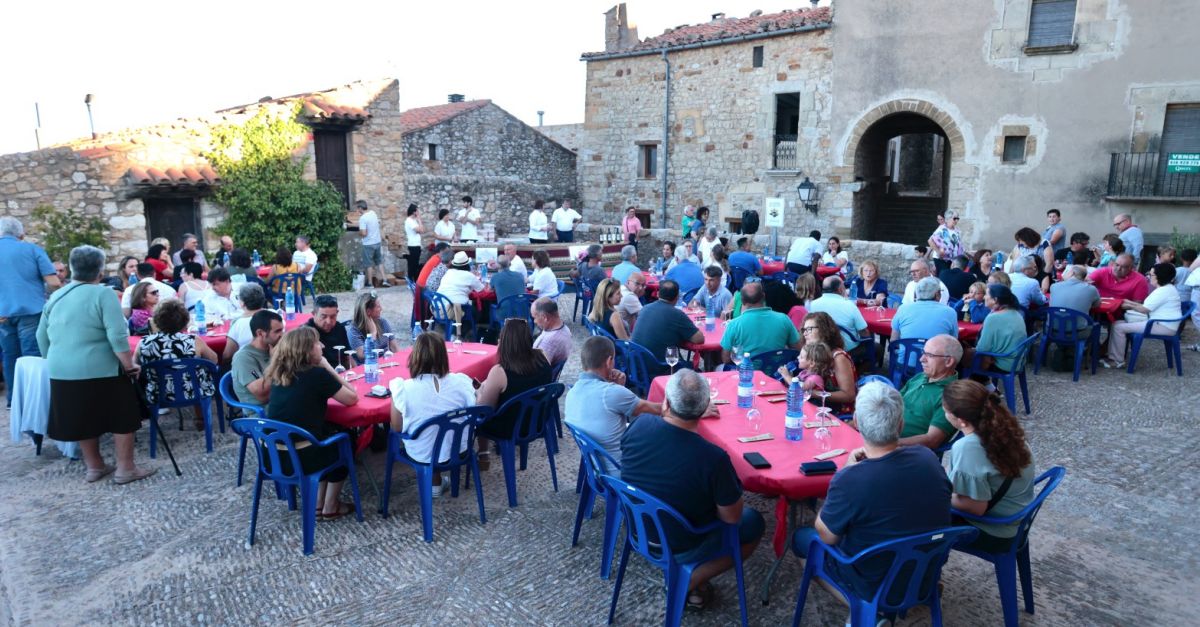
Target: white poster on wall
{"type": "Point", "coordinates": [773, 213]}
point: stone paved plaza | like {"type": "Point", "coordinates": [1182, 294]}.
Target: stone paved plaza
{"type": "Point", "coordinates": [1113, 546]}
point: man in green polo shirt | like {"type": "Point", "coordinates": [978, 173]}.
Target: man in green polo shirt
{"type": "Point", "coordinates": [758, 329]}
{"type": "Point", "coordinates": [925, 421]}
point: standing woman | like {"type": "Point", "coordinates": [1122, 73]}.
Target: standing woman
{"type": "Point", "coordinates": [631, 225]}
{"type": "Point", "coordinates": [412, 235]}
{"type": "Point", "coordinates": [991, 462]}
{"type": "Point", "coordinates": [443, 231]}
{"type": "Point", "coordinates": [700, 224]}
{"type": "Point", "coordinates": [86, 343]}
{"type": "Point", "coordinates": [947, 241]}
{"type": "Point", "coordinates": [539, 225]}
{"type": "Point", "coordinates": [302, 383]}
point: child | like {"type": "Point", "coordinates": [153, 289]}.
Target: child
{"type": "Point", "coordinates": [816, 363]}
{"type": "Point", "coordinates": [974, 308]}
{"type": "Point", "coordinates": [1113, 246]}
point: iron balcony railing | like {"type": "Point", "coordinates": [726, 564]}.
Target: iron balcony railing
{"type": "Point", "coordinates": [1150, 175]}
{"type": "Point", "coordinates": [786, 157]}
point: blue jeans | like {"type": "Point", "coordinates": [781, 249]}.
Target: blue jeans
{"type": "Point", "coordinates": [18, 338]}
{"type": "Point", "coordinates": [565, 236]}
{"type": "Point", "coordinates": [750, 528]}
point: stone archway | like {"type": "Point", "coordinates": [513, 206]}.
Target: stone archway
{"type": "Point", "coordinates": [905, 153]}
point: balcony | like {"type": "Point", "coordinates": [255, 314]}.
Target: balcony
{"type": "Point", "coordinates": [786, 156]}
{"type": "Point", "coordinates": [1149, 176]}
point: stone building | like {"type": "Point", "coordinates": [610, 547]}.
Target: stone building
{"type": "Point", "coordinates": [477, 149]}
{"type": "Point", "coordinates": [899, 110]}
{"type": "Point", "coordinates": [154, 182]}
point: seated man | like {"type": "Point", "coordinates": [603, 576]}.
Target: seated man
{"type": "Point", "coordinates": [920, 269]}
{"type": "Point", "coordinates": [433, 282]}
{"type": "Point", "coordinates": [1073, 292]}
{"type": "Point", "coordinates": [925, 421]}
{"type": "Point", "coordinates": [459, 281]}
{"type": "Point", "coordinates": [925, 317]}
{"type": "Point", "coordinates": [1078, 250]}
{"type": "Point", "coordinates": [1118, 280]}
{"type": "Point", "coordinates": [758, 329]}
{"type": "Point", "coordinates": [956, 279]}
{"type": "Point", "coordinates": [714, 293]}
{"type": "Point", "coordinates": [1025, 287]}
{"type": "Point", "coordinates": [745, 259]}
{"type": "Point", "coordinates": [555, 338]}
{"type": "Point", "coordinates": [845, 313]}
{"type": "Point", "coordinates": [330, 332]}
{"type": "Point", "coordinates": [590, 271]}
{"type": "Point", "coordinates": [685, 272]}
{"type": "Point", "coordinates": [599, 404]}
{"type": "Point", "coordinates": [667, 458]}
{"type": "Point", "coordinates": [628, 264]}
{"type": "Point", "coordinates": [660, 324]}
{"type": "Point", "coordinates": [250, 361]}
{"type": "Point", "coordinates": [514, 260]}
{"type": "Point", "coordinates": [221, 301]}
{"type": "Point", "coordinates": [631, 298]}
{"type": "Point", "coordinates": [507, 282]}
{"type": "Point", "coordinates": [886, 491]}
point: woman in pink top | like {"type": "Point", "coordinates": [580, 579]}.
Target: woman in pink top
{"type": "Point", "coordinates": [631, 225]}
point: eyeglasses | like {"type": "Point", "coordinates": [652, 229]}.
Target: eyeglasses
{"type": "Point", "coordinates": [925, 354]}
{"type": "Point", "coordinates": [1118, 222]}
{"type": "Point", "coordinates": [914, 272]}
{"type": "Point", "coordinates": [807, 329]}
{"type": "Point", "coordinates": [154, 293]}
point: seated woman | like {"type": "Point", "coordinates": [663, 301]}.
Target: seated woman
{"type": "Point", "coordinates": [834, 255]}
{"type": "Point", "coordinates": [1162, 303]}
{"type": "Point", "coordinates": [843, 384]}
{"type": "Point", "coordinates": [543, 281]}
{"type": "Point", "coordinates": [142, 302]}
{"type": "Point", "coordinates": [283, 265]}
{"type": "Point", "coordinates": [241, 263]}
{"type": "Point", "coordinates": [991, 467]}
{"type": "Point", "coordinates": [159, 257]}
{"type": "Point", "coordinates": [193, 289]}
{"type": "Point", "coordinates": [870, 288]}
{"type": "Point", "coordinates": [604, 312]}
{"type": "Point", "coordinates": [431, 391]}
{"type": "Point", "coordinates": [302, 383]}
{"type": "Point", "coordinates": [186, 256]}
{"type": "Point", "coordinates": [1003, 330]}
{"type": "Point", "coordinates": [521, 368]}
{"type": "Point", "coordinates": [128, 272]}
{"type": "Point", "coordinates": [369, 320]}
{"type": "Point", "coordinates": [170, 340]}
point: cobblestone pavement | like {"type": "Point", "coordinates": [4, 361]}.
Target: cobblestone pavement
{"type": "Point", "coordinates": [1111, 547]}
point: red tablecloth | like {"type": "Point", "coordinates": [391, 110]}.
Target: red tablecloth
{"type": "Point", "coordinates": [217, 337]}
{"type": "Point", "coordinates": [879, 322]}
{"type": "Point", "coordinates": [712, 339]}
{"type": "Point", "coordinates": [263, 271]}
{"type": "Point", "coordinates": [371, 411]}
{"type": "Point", "coordinates": [783, 478]}
{"type": "Point", "coordinates": [771, 267]}
{"type": "Point", "coordinates": [1109, 308]}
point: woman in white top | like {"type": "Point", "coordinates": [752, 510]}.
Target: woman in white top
{"type": "Point", "coordinates": [1162, 303]}
{"type": "Point", "coordinates": [412, 234]}
{"type": "Point", "coordinates": [193, 289]}
{"type": "Point", "coordinates": [834, 255]}
{"type": "Point", "coordinates": [543, 280]}
{"type": "Point", "coordinates": [432, 390]}
{"type": "Point", "coordinates": [443, 231]}
{"type": "Point", "coordinates": [539, 225]}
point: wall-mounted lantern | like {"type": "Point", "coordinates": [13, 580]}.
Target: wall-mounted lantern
{"type": "Point", "coordinates": [810, 195]}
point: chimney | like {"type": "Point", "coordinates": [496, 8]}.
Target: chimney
{"type": "Point", "coordinates": [540, 114]}
{"type": "Point", "coordinates": [618, 33]}
{"type": "Point", "coordinates": [718, 16]}
{"type": "Point", "coordinates": [456, 98]}
{"type": "Point", "coordinates": [814, 3]}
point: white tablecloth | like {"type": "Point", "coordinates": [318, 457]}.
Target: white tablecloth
{"type": "Point", "coordinates": [31, 402]}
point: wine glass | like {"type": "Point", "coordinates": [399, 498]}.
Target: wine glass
{"type": "Point", "coordinates": [672, 357]}
{"type": "Point", "coordinates": [824, 410]}
{"type": "Point", "coordinates": [279, 306]}
{"type": "Point", "coordinates": [349, 358]}
{"type": "Point", "coordinates": [823, 436]}
{"type": "Point", "coordinates": [339, 368]}
{"type": "Point", "coordinates": [736, 355]}
{"type": "Point", "coordinates": [754, 419]}
{"type": "Point", "coordinates": [388, 353]}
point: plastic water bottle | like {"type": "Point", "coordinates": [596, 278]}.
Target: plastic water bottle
{"type": "Point", "coordinates": [745, 382]}
{"type": "Point", "coordinates": [998, 261]}
{"type": "Point", "coordinates": [483, 272]}
{"type": "Point", "coordinates": [766, 252]}
{"type": "Point", "coordinates": [710, 316]}
{"type": "Point", "coordinates": [416, 331]}
{"type": "Point", "coordinates": [290, 303]}
{"type": "Point", "coordinates": [201, 327]}
{"type": "Point", "coordinates": [257, 258]}
{"type": "Point", "coordinates": [371, 363]}
{"type": "Point", "coordinates": [133, 279]}
{"type": "Point", "coordinates": [793, 426]}
{"type": "Point", "coordinates": [1070, 257]}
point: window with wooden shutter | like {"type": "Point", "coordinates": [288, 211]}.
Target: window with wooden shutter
{"type": "Point", "coordinates": [1014, 149]}
{"type": "Point", "coordinates": [1051, 23]}
{"type": "Point", "coordinates": [1180, 140]}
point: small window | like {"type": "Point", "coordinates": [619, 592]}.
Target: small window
{"type": "Point", "coordinates": [433, 153]}
{"type": "Point", "coordinates": [1051, 23]}
{"type": "Point", "coordinates": [647, 161]}
{"type": "Point", "coordinates": [758, 56]}
{"type": "Point", "coordinates": [1014, 149]}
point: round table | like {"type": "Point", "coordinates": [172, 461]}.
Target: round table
{"type": "Point", "coordinates": [712, 339]}
{"type": "Point", "coordinates": [879, 322]}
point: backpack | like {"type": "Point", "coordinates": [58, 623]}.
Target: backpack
{"type": "Point", "coordinates": [749, 222]}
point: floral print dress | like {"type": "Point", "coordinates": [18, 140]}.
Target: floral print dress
{"type": "Point", "coordinates": [159, 346]}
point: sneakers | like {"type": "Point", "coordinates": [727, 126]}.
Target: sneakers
{"type": "Point", "coordinates": [1115, 365]}
{"type": "Point", "coordinates": [1193, 347]}
{"type": "Point", "coordinates": [385, 284]}
{"type": "Point", "coordinates": [437, 489]}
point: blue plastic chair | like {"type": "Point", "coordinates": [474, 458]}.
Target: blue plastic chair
{"type": "Point", "coordinates": [956, 305]}
{"type": "Point", "coordinates": [1020, 358]}
{"type": "Point", "coordinates": [414, 291]}
{"type": "Point", "coordinates": [690, 294]}
{"type": "Point", "coordinates": [894, 300]}
{"type": "Point", "coordinates": [585, 291]}
{"type": "Point", "coordinates": [594, 462]}
{"type": "Point", "coordinates": [919, 557]}
{"type": "Point", "coordinates": [1016, 560]}
{"type": "Point", "coordinates": [273, 442]}
{"type": "Point", "coordinates": [514, 306]}
{"type": "Point", "coordinates": [640, 365]}
{"type": "Point", "coordinates": [556, 371]}
{"type": "Point", "coordinates": [1171, 343]}
{"type": "Point", "coordinates": [870, 354]}
{"type": "Point", "coordinates": [440, 309]}
{"type": "Point", "coordinates": [537, 415]}
{"type": "Point", "coordinates": [226, 389]}
{"type": "Point", "coordinates": [904, 360]}
{"type": "Point", "coordinates": [595, 329]}
{"type": "Point", "coordinates": [786, 277]}
{"type": "Point", "coordinates": [279, 286]}
{"type": "Point", "coordinates": [738, 276]}
{"type": "Point", "coordinates": [876, 378]}
{"type": "Point", "coordinates": [170, 373]}
{"type": "Point", "coordinates": [454, 429]}
{"type": "Point", "coordinates": [644, 515]}
{"type": "Point", "coordinates": [1068, 327]}
{"type": "Point", "coordinates": [770, 361]}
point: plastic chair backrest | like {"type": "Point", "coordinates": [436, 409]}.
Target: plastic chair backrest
{"type": "Point", "coordinates": [904, 359]}
{"type": "Point", "coordinates": [955, 304]}
{"type": "Point", "coordinates": [596, 460]}
{"type": "Point", "coordinates": [272, 441]}
{"type": "Point", "coordinates": [1186, 308]}
{"type": "Point", "coordinates": [875, 378]}
{"type": "Point", "coordinates": [278, 287]}
{"type": "Point", "coordinates": [787, 277]}
{"type": "Point", "coordinates": [894, 300]}
{"type": "Point", "coordinates": [533, 412]}
{"type": "Point", "coordinates": [596, 329]}
{"type": "Point", "coordinates": [174, 371]}
{"type": "Point", "coordinates": [638, 361]}
{"type": "Point", "coordinates": [562, 287]}
{"type": "Point", "coordinates": [439, 310]}
{"type": "Point", "coordinates": [644, 516]}
{"type": "Point", "coordinates": [556, 371]}
{"type": "Point", "coordinates": [738, 276]}
{"type": "Point", "coordinates": [514, 306]}
{"type": "Point", "coordinates": [226, 389]}
{"type": "Point", "coordinates": [770, 361]}
{"type": "Point", "coordinates": [1064, 325]}
{"type": "Point", "coordinates": [1021, 352]}
{"type": "Point", "coordinates": [458, 425]}
{"type": "Point", "coordinates": [1050, 480]}
{"type": "Point", "coordinates": [690, 294]}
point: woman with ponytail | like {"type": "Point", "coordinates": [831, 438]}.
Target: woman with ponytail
{"type": "Point", "coordinates": [991, 467]}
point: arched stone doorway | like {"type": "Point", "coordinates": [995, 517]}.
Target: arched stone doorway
{"type": "Point", "coordinates": [903, 152]}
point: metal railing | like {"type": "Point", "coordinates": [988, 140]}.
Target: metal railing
{"type": "Point", "coordinates": [1144, 175]}
{"type": "Point", "coordinates": [786, 155]}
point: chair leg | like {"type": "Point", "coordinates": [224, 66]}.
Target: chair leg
{"type": "Point", "coordinates": [425, 496]}
{"type": "Point", "coordinates": [1010, 393]}
{"type": "Point", "coordinates": [1006, 579]}
{"type": "Point", "coordinates": [579, 513]}
{"type": "Point", "coordinates": [1024, 391]}
{"type": "Point", "coordinates": [308, 511]}
{"type": "Point", "coordinates": [579, 477]}
{"type": "Point", "coordinates": [387, 484]}
{"type": "Point", "coordinates": [206, 408]}
{"type": "Point", "coordinates": [550, 445]}
{"type": "Point", "coordinates": [524, 455]}
{"type": "Point", "coordinates": [154, 427]}
{"type": "Point", "coordinates": [1135, 347]}
{"type": "Point", "coordinates": [611, 526]}
{"type": "Point", "coordinates": [353, 472]}
{"type": "Point", "coordinates": [1041, 356]}
{"type": "Point", "coordinates": [478, 490]}
{"type": "Point", "coordinates": [612, 608]}
{"type": "Point", "coordinates": [740, 573]}
{"type": "Point", "coordinates": [1079, 351]}
{"type": "Point", "coordinates": [258, 481]}
{"type": "Point", "coordinates": [242, 459]}
{"type": "Point", "coordinates": [508, 455]}
{"type": "Point", "coordinates": [802, 596]}
{"type": "Point", "coordinates": [1026, 573]}
{"type": "Point", "coordinates": [1175, 347]}
{"type": "Point", "coordinates": [935, 608]}
{"type": "Point", "coordinates": [677, 591]}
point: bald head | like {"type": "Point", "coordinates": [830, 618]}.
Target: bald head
{"type": "Point", "coordinates": [942, 354]}
{"type": "Point", "coordinates": [636, 283]}
{"type": "Point", "coordinates": [752, 295]}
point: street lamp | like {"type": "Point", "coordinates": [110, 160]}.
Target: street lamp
{"type": "Point", "coordinates": [809, 194]}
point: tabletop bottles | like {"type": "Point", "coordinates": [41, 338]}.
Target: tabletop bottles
{"type": "Point", "coordinates": [794, 422]}
{"type": "Point", "coordinates": [745, 392]}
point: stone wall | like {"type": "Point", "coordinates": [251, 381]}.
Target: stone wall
{"type": "Point", "coordinates": [502, 163]}
{"type": "Point", "coordinates": [571, 136]}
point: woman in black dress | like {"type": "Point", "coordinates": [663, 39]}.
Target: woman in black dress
{"type": "Point", "coordinates": [520, 368]}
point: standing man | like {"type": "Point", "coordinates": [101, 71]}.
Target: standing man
{"type": "Point", "coordinates": [689, 216]}
{"type": "Point", "coordinates": [305, 258]}
{"type": "Point", "coordinates": [539, 226]}
{"type": "Point", "coordinates": [222, 257]}
{"type": "Point", "coordinates": [190, 243]}
{"type": "Point", "coordinates": [372, 244]}
{"type": "Point", "coordinates": [28, 275]}
{"type": "Point", "coordinates": [1132, 236]}
{"type": "Point", "coordinates": [412, 239]}
{"type": "Point", "coordinates": [804, 253]}
{"type": "Point", "coordinates": [250, 361]}
{"type": "Point", "coordinates": [470, 219]}
{"type": "Point", "coordinates": [565, 218]}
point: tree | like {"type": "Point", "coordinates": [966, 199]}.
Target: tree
{"type": "Point", "coordinates": [60, 230]}
{"type": "Point", "coordinates": [269, 201]}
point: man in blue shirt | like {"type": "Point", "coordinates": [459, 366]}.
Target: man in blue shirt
{"type": "Point", "coordinates": [744, 259]}
{"type": "Point", "coordinates": [685, 272]}
{"type": "Point", "coordinates": [713, 293]}
{"type": "Point", "coordinates": [628, 265]}
{"type": "Point", "coordinates": [844, 312]}
{"type": "Point", "coordinates": [1024, 286]}
{"type": "Point", "coordinates": [1131, 234]}
{"type": "Point", "coordinates": [660, 324]}
{"type": "Point", "coordinates": [924, 317]}
{"type": "Point", "coordinates": [27, 276]}
{"type": "Point", "coordinates": [506, 282]}
{"type": "Point", "coordinates": [599, 404]}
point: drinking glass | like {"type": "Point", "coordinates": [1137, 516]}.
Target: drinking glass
{"type": "Point", "coordinates": [339, 368]}
{"type": "Point", "coordinates": [823, 436]}
{"type": "Point", "coordinates": [754, 419]}
{"type": "Point", "coordinates": [279, 305]}
{"type": "Point", "coordinates": [349, 358]}
{"type": "Point", "coordinates": [388, 353]}
{"type": "Point", "coordinates": [672, 357]}
{"type": "Point", "coordinates": [736, 355]}
{"type": "Point", "coordinates": [824, 395]}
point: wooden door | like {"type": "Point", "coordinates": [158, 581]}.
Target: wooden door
{"type": "Point", "coordinates": [333, 162]}
{"type": "Point", "coordinates": [172, 217]}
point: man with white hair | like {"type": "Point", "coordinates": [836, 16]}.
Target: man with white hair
{"type": "Point", "coordinates": [1074, 292]}
{"type": "Point", "coordinates": [685, 272]}
{"type": "Point", "coordinates": [628, 264]}
{"type": "Point", "coordinates": [689, 216]}
{"type": "Point", "coordinates": [667, 458]}
{"type": "Point", "coordinates": [631, 298]}
{"type": "Point", "coordinates": [885, 491]}
{"type": "Point", "coordinates": [919, 269]}
{"type": "Point", "coordinates": [925, 317]}
{"type": "Point", "coordinates": [1131, 234]}
{"type": "Point", "coordinates": [925, 421]}
{"type": "Point", "coordinates": [705, 245]}
{"type": "Point", "coordinates": [515, 263]}
{"type": "Point", "coordinates": [28, 275]}
{"type": "Point", "coordinates": [1025, 287]}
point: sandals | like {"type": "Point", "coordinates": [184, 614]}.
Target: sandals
{"type": "Point", "coordinates": [699, 598]}
{"type": "Point", "coordinates": [137, 475]}
{"type": "Point", "coordinates": [344, 509]}
{"type": "Point", "coordinates": [96, 474]}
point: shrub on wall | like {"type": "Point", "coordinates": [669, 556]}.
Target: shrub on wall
{"type": "Point", "coordinates": [269, 201]}
{"type": "Point", "coordinates": [62, 230]}
{"type": "Point", "coordinates": [1181, 241]}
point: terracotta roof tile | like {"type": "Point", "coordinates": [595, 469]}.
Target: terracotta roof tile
{"type": "Point", "coordinates": [201, 176]}
{"type": "Point", "coordinates": [726, 28]}
{"type": "Point", "coordinates": [424, 117]}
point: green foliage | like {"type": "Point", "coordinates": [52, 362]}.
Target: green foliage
{"type": "Point", "coordinates": [268, 199]}
{"type": "Point", "coordinates": [1181, 241]}
{"type": "Point", "coordinates": [60, 231]}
